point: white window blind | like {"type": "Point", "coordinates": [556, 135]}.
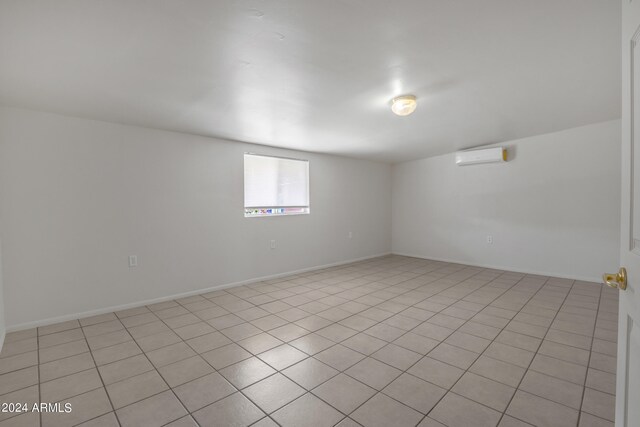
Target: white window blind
{"type": "Point", "coordinates": [275, 185]}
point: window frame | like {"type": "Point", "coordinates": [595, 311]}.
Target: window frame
{"type": "Point", "coordinates": [307, 209]}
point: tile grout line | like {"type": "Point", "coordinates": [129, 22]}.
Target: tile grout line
{"type": "Point", "coordinates": [533, 358]}
{"type": "Point", "coordinates": [371, 291]}
{"type": "Point", "coordinates": [450, 389]}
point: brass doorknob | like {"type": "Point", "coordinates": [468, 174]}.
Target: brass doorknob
{"type": "Point", "coordinates": [616, 280]}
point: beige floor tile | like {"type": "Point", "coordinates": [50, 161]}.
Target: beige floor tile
{"type": "Point", "coordinates": [273, 392]}
{"type": "Point", "coordinates": [30, 419]}
{"type": "Point", "coordinates": [414, 392]}
{"type": "Point", "coordinates": [225, 321]}
{"type": "Point", "coordinates": [365, 344]}
{"type": "Point", "coordinates": [60, 338]}
{"type": "Point", "coordinates": [69, 386]}
{"type": "Point", "coordinates": [116, 352]}
{"type": "Point", "coordinates": [58, 327]}
{"type": "Point", "coordinates": [259, 343]}
{"type": "Point", "coordinates": [344, 393]}
{"type": "Point", "coordinates": [559, 369]}
{"type": "Point", "coordinates": [154, 411]}
{"type": "Point", "coordinates": [430, 422]}
{"type": "Point", "coordinates": [312, 343]}
{"type": "Point", "coordinates": [61, 351]}
{"type": "Point", "coordinates": [522, 341]}
{"type": "Point", "coordinates": [136, 388]}
{"type": "Point", "coordinates": [600, 404]}
{"type": "Point", "coordinates": [310, 373]}
{"type": "Point", "coordinates": [309, 411]}
{"type": "Point", "coordinates": [203, 391]}
{"type": "Point", "coordinates": [394, 309]}
{"type": "Point", "coordinates": [336, 332]}
{"type": "Point", "coordinates": [551, 388]}
{"type": "Point", "coordinates": [373, 373]}
{"type": "Point", "coordinates": [139, 319]}
{"type": "Point", "coordinates": [601, 381]}
{"type": "Point", "coordinates": [289, 332]}
{"type": "Point", "coordinates": [484, 390]}
{"type": "Point", "coordinates": [541, 412]}
{"type": "Point", "coordinates": [468, 342]}
{"type": "Point", "coordinates": [603, 362]}
{"type": "Point", "coordinates": [268, 323]}
{"type": "Point", "coordinates": [436, 372]}
{"type": "Point", "coordinates": [454, 410]}
{"type": "Point", "coordinates": [235, 410]}
{"type": "Point", "coordinates": [339, 357]}
{"type": "Point", "coordinates": [84, 408]}
{"type": "Point", "coordinates": [396, 356]}
{"type": "Point", "coordinates": [194, 330]}
{"type": "Point", "coordinates": [18, 379]}
{"type": "Point", "coordinates": [92, 320]}
{"type": "Point", "coordinates": [417, 343]}
{"type": "Point", "coordinates": [125, 368]}
{"type": "Point", "coordinates": [102, 328]}
{"type": "Point", "coordinates": [185, 370]}
{"type": "Point", "coordinates": [509, 421]}
{"type": "Point", "coordinates": [455, 356]}
{"type": "Point", "coordinates": [208, 342]}
{"type": "Point", "coordinates": [241, 331]}
{"type": "Point", "coordinates": [588, 420]}
{"type": "Point", "coordinates": [357, 323]}
{"type": "Point", "coordinates": [170, 354]}
{"type": "Point", "coordinates": [210, 313]}
{"type": "Point", "coordinates": [498, 370]}
{"type": "Point", "coordinates": [187, 421]}
{"type": "Point", "coordinates": [106, 420]}
{"type": "Point", "coordinates": [507, 353]}
{"type": "Point", "coordinates": [18, 347]}
{"type": "Point", "coordinates": [107, 340]}
{"type": "Point", "coordinates": [574, 340]}
{"type": "Point", "coordinates": [29, 395]}
{"type": "Point", "coordinates": [382, 411]}
{"type": "Point", "coordinates": [227, 355]}
{"type": "Point", "coordinates": [63, 367]}
{"type": "Point", "coordinates": [147, 329]}
{"type": "Point", "coordinates": [131, 312]}
{"type": "Point", "coordinates": [433, 331]}
{"type": "Point", "coordinates": [385, 332]}
{"type": "Point", "coordinates": [156, 341]}
{"type": "Point", "coordinates": [19, 361]}
{"type": "Point", "coordinates": [565, 352]}
{"type": "Point", "coordinates": [247, 372]}
{"type": "Point", "coordinates": [282, 357]}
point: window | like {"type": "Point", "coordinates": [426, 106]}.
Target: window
{"type": "Point", "coordinates": [275, 186]}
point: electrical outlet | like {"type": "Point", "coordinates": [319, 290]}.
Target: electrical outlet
{"type": "Point", "coordinates": [490, 240]}
{"type": "Point", "coordinates": [350, 235]}
{"type": "Point", "coordinates": [133, 260]}
{"type": "Point", "coordinates": [272, 244]}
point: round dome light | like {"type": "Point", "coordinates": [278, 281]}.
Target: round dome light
{"type": "Point", "coordinates": [404, 105]}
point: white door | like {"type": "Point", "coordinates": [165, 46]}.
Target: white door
{"type": "Point", "coordinates": [628, 375]}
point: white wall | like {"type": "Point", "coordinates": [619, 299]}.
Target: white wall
{"type": "Point", "coordinates": [3, 328]}
{"type": "Point", "coordinates": [79, 196]}
{"type": "Point", "coordinates": [553, 208]}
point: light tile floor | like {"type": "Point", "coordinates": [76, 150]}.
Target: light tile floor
{"type": "Point", "coordinates": [392, 341]}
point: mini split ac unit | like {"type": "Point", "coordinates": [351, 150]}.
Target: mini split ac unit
{"type": "Point", "coordinates": [485, 155]}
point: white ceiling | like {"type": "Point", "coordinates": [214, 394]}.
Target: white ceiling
{"type": "Point", "coordinates": [319, 75]}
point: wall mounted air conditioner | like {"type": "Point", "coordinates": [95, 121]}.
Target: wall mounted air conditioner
{"type": "Point", "coordinates": [484, 155]}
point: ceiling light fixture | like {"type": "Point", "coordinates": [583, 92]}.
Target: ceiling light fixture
{"type": "Point", "coordinates": [404, 105]}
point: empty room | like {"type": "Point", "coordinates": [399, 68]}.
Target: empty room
{"type": "Point", "coordinates": [419, 213]}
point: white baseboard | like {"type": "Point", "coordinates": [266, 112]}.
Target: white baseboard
{"type": "Point", "coordinates": [502, 267]}
{"type": "Point", "coordinates": [58, 319]}
{"type": "Point", "coordinates": [3, 333]}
